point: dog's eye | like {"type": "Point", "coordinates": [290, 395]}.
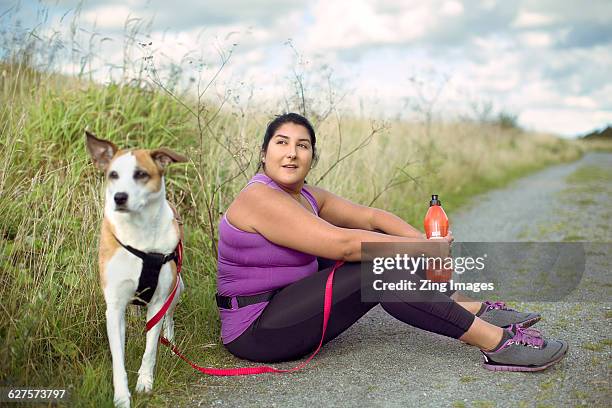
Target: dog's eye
{"type": "Point", "coordinates": [113, 175]}
{"type": "Point", "coordinates": [139, 174]}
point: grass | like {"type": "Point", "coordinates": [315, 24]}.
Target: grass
{"type": "Point", "coordinates": [53, 330]}
{"type": "Point", "coordinates": [600, 346]}
{"type": "Point", "coordinates": [597, 145]}
{"type": "Point", "coordinates": [484, 404]}
{"type": "Point", "coordinates": [573, 238]}
{"type": "Point", "coordinates": [590, 174]}
{"type": "Point", "coordinates": [547, 384]}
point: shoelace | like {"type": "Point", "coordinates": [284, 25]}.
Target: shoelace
{"type": "Point", "coordinates": [528, 337]}
{"type": "Point", "coordinates": [497, 305]}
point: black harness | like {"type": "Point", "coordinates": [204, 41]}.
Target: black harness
{"type": "Point", "coordinates": [149, 276]}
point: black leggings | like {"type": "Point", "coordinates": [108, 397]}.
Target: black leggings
{"type": "Point", "coordinates": [290, 326]}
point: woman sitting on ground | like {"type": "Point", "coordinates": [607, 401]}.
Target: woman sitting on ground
{"type": "Point", "coordinates": [271, 286]}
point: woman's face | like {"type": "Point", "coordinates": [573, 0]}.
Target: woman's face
{"type": "Point", "coordinates": [289, 155]}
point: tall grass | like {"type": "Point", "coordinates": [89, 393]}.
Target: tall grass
{"type": "Point", "coordinates": [53, 327]}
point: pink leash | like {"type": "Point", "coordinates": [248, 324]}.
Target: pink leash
{"type": "Point", "coordinates": [160, 314]}
{"type": "Point", "coordinates": [243, 370]}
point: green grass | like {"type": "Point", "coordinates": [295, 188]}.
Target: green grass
{"type": "Point", "coordinates": [597, 145]}
{"type": "Point", "coordinates": [573, 238]}
{"type": "Point", "coordinates": [467, 379]}
{"type": "Point", "coordinates": [589, 174]}
{"type": "Point", "coordinates": [484, 404]}
{"type": "Point", "coordinates": [53, 333]}
{"type": "Point", "coordinates": [547, 384]}
{"type": "Point", "coordinates": [599, 346]}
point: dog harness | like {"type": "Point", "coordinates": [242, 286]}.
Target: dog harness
{"type": "Point", "coordinates": [152, 263]}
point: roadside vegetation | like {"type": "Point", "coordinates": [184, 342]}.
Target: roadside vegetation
{"type": "Point", "coordinates": [53, 326]}
{"type": "Point", "coordinates": [599, 141]}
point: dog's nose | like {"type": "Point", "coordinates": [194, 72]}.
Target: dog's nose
{"type": "Point", "coordinates": [121, 198]}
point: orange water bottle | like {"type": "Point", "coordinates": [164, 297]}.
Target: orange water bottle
{"type": "Point", "coordinates": [436, 227]}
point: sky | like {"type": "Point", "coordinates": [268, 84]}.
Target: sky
{"type": "Point", "coordinates": [548, 62]}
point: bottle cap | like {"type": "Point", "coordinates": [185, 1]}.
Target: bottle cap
{"type": "Point", "coordinates": [434, 200]}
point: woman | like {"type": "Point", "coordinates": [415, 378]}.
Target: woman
{"type": "Point", "coordinates": [271, 289]}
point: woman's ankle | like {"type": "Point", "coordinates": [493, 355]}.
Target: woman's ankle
{"type": "Point", "coordinates": [483, 335]}
{"type": "Point", "coordinates": [472, 307]}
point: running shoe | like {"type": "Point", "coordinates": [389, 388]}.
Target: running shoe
{"type": "Point", "coordinates": [500, 315]}
{"type": "Point", "coordinates": [526, 350]}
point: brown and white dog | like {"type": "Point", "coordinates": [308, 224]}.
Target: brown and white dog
{"type": "Point", "coordinates": [136, 216]}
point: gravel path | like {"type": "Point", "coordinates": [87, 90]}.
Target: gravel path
{"type": "Point", "coordinates": [381, 362]}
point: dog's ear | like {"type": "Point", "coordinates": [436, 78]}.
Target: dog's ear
{"type": "Point", "coordinates": [101, 151]}
{"type": "Point", "coordinates": [164, 157]}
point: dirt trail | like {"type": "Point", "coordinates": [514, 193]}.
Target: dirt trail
{"type": "Point", "coordinates": [381, 362]}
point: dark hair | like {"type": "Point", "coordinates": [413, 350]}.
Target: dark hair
{"type": "Point", "coordinates": [289, 118]}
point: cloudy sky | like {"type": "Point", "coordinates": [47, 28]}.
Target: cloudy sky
{"type": "Point", "coordinates": [548, 61]}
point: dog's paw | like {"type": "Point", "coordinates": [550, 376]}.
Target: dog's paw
{"type": "Point", "coordinates": [122, 400]}
{"type": "Point", "coordinates": [145, 383]}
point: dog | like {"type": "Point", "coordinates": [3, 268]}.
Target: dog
{"type": "Point", "coordinates": [139, 236]}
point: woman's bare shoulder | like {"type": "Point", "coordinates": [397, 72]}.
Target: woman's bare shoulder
{"type": "Point", "coordinates": [319, 193]}
{"type": "Point", "coordinates": [255, 192]}
{"type": "Point", "coordinates": [240, 211]}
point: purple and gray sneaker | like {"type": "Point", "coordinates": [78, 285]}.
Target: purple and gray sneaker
{"type": "Point", "coordinates": [498, 314]}
{"type": "Point", "coordinates": [525, 350]}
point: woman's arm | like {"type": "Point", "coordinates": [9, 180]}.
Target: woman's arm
{"type": "Point", "coordinates": [344, 213]}
{"type": "Point", "coordinates": [283, 221]}
{"type": "Point", "coordinates": [392, 224]}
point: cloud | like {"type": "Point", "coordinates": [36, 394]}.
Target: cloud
{"type": "Point", "coordinates": [565, 121]}
{"type": "Point", "coordinates": [347, 24]}
{"type": "Point", "coordinates": [583, 102]}
{"type": "Point", "coordinates": [529, 19]}
{"type": "Point", "coordinates": [582, 35]}
{"type": "Point", "coordinates": [452, 8]}
{"type": "Point", "coordinates": [188, 14]}
{"type": "Point", "coordinates": [343, 24]}
{"type": "Point", "coordinates": [536, 39]}
{"type": "Point", "coordinates": [110, 17]}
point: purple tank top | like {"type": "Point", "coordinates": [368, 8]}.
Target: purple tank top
{"type": "Point", "coordinates": [249, 264]}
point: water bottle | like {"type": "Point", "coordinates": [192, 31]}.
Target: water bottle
{"type": "Point", "coordinates": [436, 227]}
{"type": "Point", "coordinates": [436, 221]}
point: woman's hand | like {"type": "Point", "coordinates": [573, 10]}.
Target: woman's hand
{"type": "Point", "coordinates": [443, 249]}
{"type": "Point", "coordinates": [449, 237]}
